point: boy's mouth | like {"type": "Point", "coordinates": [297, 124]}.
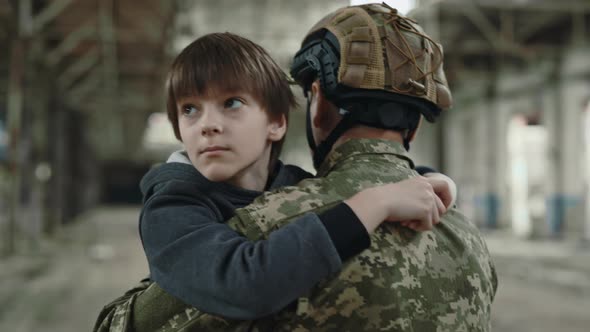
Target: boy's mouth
{"type": "Point", "coordinates": [214, 148]}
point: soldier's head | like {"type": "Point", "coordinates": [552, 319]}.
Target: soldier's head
{"type": "Point", "coordinates": [225, 91]}
{"type": "Point", "coordinates": [368, 66]}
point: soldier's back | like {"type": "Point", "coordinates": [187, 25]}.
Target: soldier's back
{"type": "Point", "coordinates": [439, 280]}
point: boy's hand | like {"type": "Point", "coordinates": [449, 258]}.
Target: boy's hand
{"type": "Point", "coordinates": [414, 200]}
{"type": "Point", "coordinates": [448, 194]}
{"type": "Point", "coordinates": [445, 188]}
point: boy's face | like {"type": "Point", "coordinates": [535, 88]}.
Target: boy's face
{"type": "Point", "coordinates": [228, 137]}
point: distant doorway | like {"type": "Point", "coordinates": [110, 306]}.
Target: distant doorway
{"type": "Point", "coordinates": [527, 165]}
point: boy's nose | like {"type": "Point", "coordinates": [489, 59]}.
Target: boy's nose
{"type": "Point", "coordinates": [211, 128]}
{"type": "Point", "coordinates": [211, 122]}
{"type": "Point", "coordinates": [210, 125]}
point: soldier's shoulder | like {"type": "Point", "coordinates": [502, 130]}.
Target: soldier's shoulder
{"type": "Point", "coordinates": [456, 215]}
{"type": "Point", "coordinates": [310, 186]}
{"type": "Point", "coordinates": [465, 229]}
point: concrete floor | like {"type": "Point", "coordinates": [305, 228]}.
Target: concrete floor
{"type": "Point", "coordinates": [544, 286]}
{"type": "Point", "coordinates": [94, 262]}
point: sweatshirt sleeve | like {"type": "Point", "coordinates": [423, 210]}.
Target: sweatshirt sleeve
{"type": "Point", "coordinates": [424, 170]}
{"type": "Point", "coordinates": [208, 265]}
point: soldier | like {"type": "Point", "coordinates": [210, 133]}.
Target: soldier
{"type": "Point", "coordinates": [370, 76]}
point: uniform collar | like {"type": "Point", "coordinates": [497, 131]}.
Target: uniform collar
{"type": "Point", "coordinates": [362, 146]}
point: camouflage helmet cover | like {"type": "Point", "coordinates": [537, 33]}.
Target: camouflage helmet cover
{"type": "Point", "coordinates": [382, 50]}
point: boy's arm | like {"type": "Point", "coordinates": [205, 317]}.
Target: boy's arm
{"type": "Point", "coordinates": [210, 266]}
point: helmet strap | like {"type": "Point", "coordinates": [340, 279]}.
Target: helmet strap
{"type": "Point", "coordinates": [308, 129]}
{"type": "Point", "coordinates": [406, 139]}
{"type": "Point", "coordinates": [321, 151]}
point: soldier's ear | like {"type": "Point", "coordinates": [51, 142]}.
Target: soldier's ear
{"type": "Point", "coordinates": [325, 115]}
{"type": "Point", "coordinates": [413, 133]}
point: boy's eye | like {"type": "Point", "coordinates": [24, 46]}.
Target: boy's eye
{"type": "Point", "coordinates": [189, 110]}
{"type": "Point", "coordinates": [233, 103]}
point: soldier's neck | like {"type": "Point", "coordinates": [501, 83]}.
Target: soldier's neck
{"type": "Point", "coordinates": [369, 132]}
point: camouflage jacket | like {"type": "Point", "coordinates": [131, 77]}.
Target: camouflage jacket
{"type": "Point", "coordinates": [440, 280]}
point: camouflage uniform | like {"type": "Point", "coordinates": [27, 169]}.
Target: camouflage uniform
{"type": "Point", "coordinates": [116, 316]}
{"type": "Point", "coordinates": [440, 280]}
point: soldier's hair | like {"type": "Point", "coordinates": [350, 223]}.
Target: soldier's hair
{"type": "Point", "coordinates": [228, 62]}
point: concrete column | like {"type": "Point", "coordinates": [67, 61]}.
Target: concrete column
{"type": "Point", "coordinates": [501, 120]}
{"type": "Point", "coordinates": [15, 110]}
{"type": "Point", "coordinates": [461, 148]}
{"type": "Point", "coordinates": [525, 147]}
{"type": "Point", "coordinates": [522, 225]}
{"type": "Point", "coordinates": [480, 151]}
{"type": "Point", "coordinates": [586, 169]}
{"type": "Point", "coordinates": [494, 162]}
{"type": "Point", "coordinates": [466, 144]}
{"type": "Point", "coordinates": [43, 169]}
{"type": "Point", "coordinates": [14, 117]}
{"type": "Point", "coordinates": [482, 144]}
{"type": "Point", "coordinates": [575, 90]}
{"type": "Point", "coordinates": [58, 182]}
{"type": "Point", "coordinates": [425, 149]}
{"type": "Point", "coordinates": [454, 132]}
{"type": "Point", "coordinates": [552, 120]}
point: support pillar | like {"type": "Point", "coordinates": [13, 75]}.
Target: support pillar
{"type": "Point", "coordinates": [574, 90]}
{"type": "Point", "coordinates": [586, 170]}
{"type": "Point", "coordinates": [15, 109]}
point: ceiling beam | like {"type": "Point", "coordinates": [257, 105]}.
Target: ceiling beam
{"type": "Point", "coordinates": [84, 32]}
{"type": "Point", "coordinates": [579, 33]}
{"type": "Point", "coordinates": [91, 83]}
{"type": "Point", "coordinates": [25, 18]}
{"type": "Point", "coordinates": [150, 24]}
{"type": "Point", "coordinates": [108, 40]}
{"type": "Point", "coordinates": [536, 22]}
{"type": "Point", "coordinates": [77, 69]}
{"type": "Point", "coordinates": [7, 20]}
{"type": "Point", "coordinates": [54, 9]}
{"type": "Point", "coordinates": [499, 43]}
{"type": "Point", "coordinates": [536, 5]}
{"type": "Point", "coordinates": [97, 101]}
{"type": "Point", "coordinates": [530, 6]}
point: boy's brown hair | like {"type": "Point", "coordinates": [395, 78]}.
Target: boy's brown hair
{"type": "Point", "coordinates": [228, 62]}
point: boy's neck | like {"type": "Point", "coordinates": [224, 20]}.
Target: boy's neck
{"type": "Point", "coordinates": [253, 177]}
{"type": "Point", "coordinates": [250, 180]}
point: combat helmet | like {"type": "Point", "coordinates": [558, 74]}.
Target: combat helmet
{"type": "Point", "coordinates": [377, 66]}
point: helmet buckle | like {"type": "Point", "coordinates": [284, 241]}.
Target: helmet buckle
{"type": "Point", "coordinates": [418, 87]}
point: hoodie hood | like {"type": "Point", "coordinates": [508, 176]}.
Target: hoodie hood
{"type": "Point", "coordinates": [178, 168]}
{"type": "Point", "coordinates": [179, 156]}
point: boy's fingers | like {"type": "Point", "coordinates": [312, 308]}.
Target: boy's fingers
{"type": "Point", "coordinates": [435, 214]}
{"type": "Point", "coordinates": [441, 189]}
{"type": "Point", "coordinates": [440, 206]}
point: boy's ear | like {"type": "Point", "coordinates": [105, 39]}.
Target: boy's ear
{"type": "Point", "coordinates": [277, 129]}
